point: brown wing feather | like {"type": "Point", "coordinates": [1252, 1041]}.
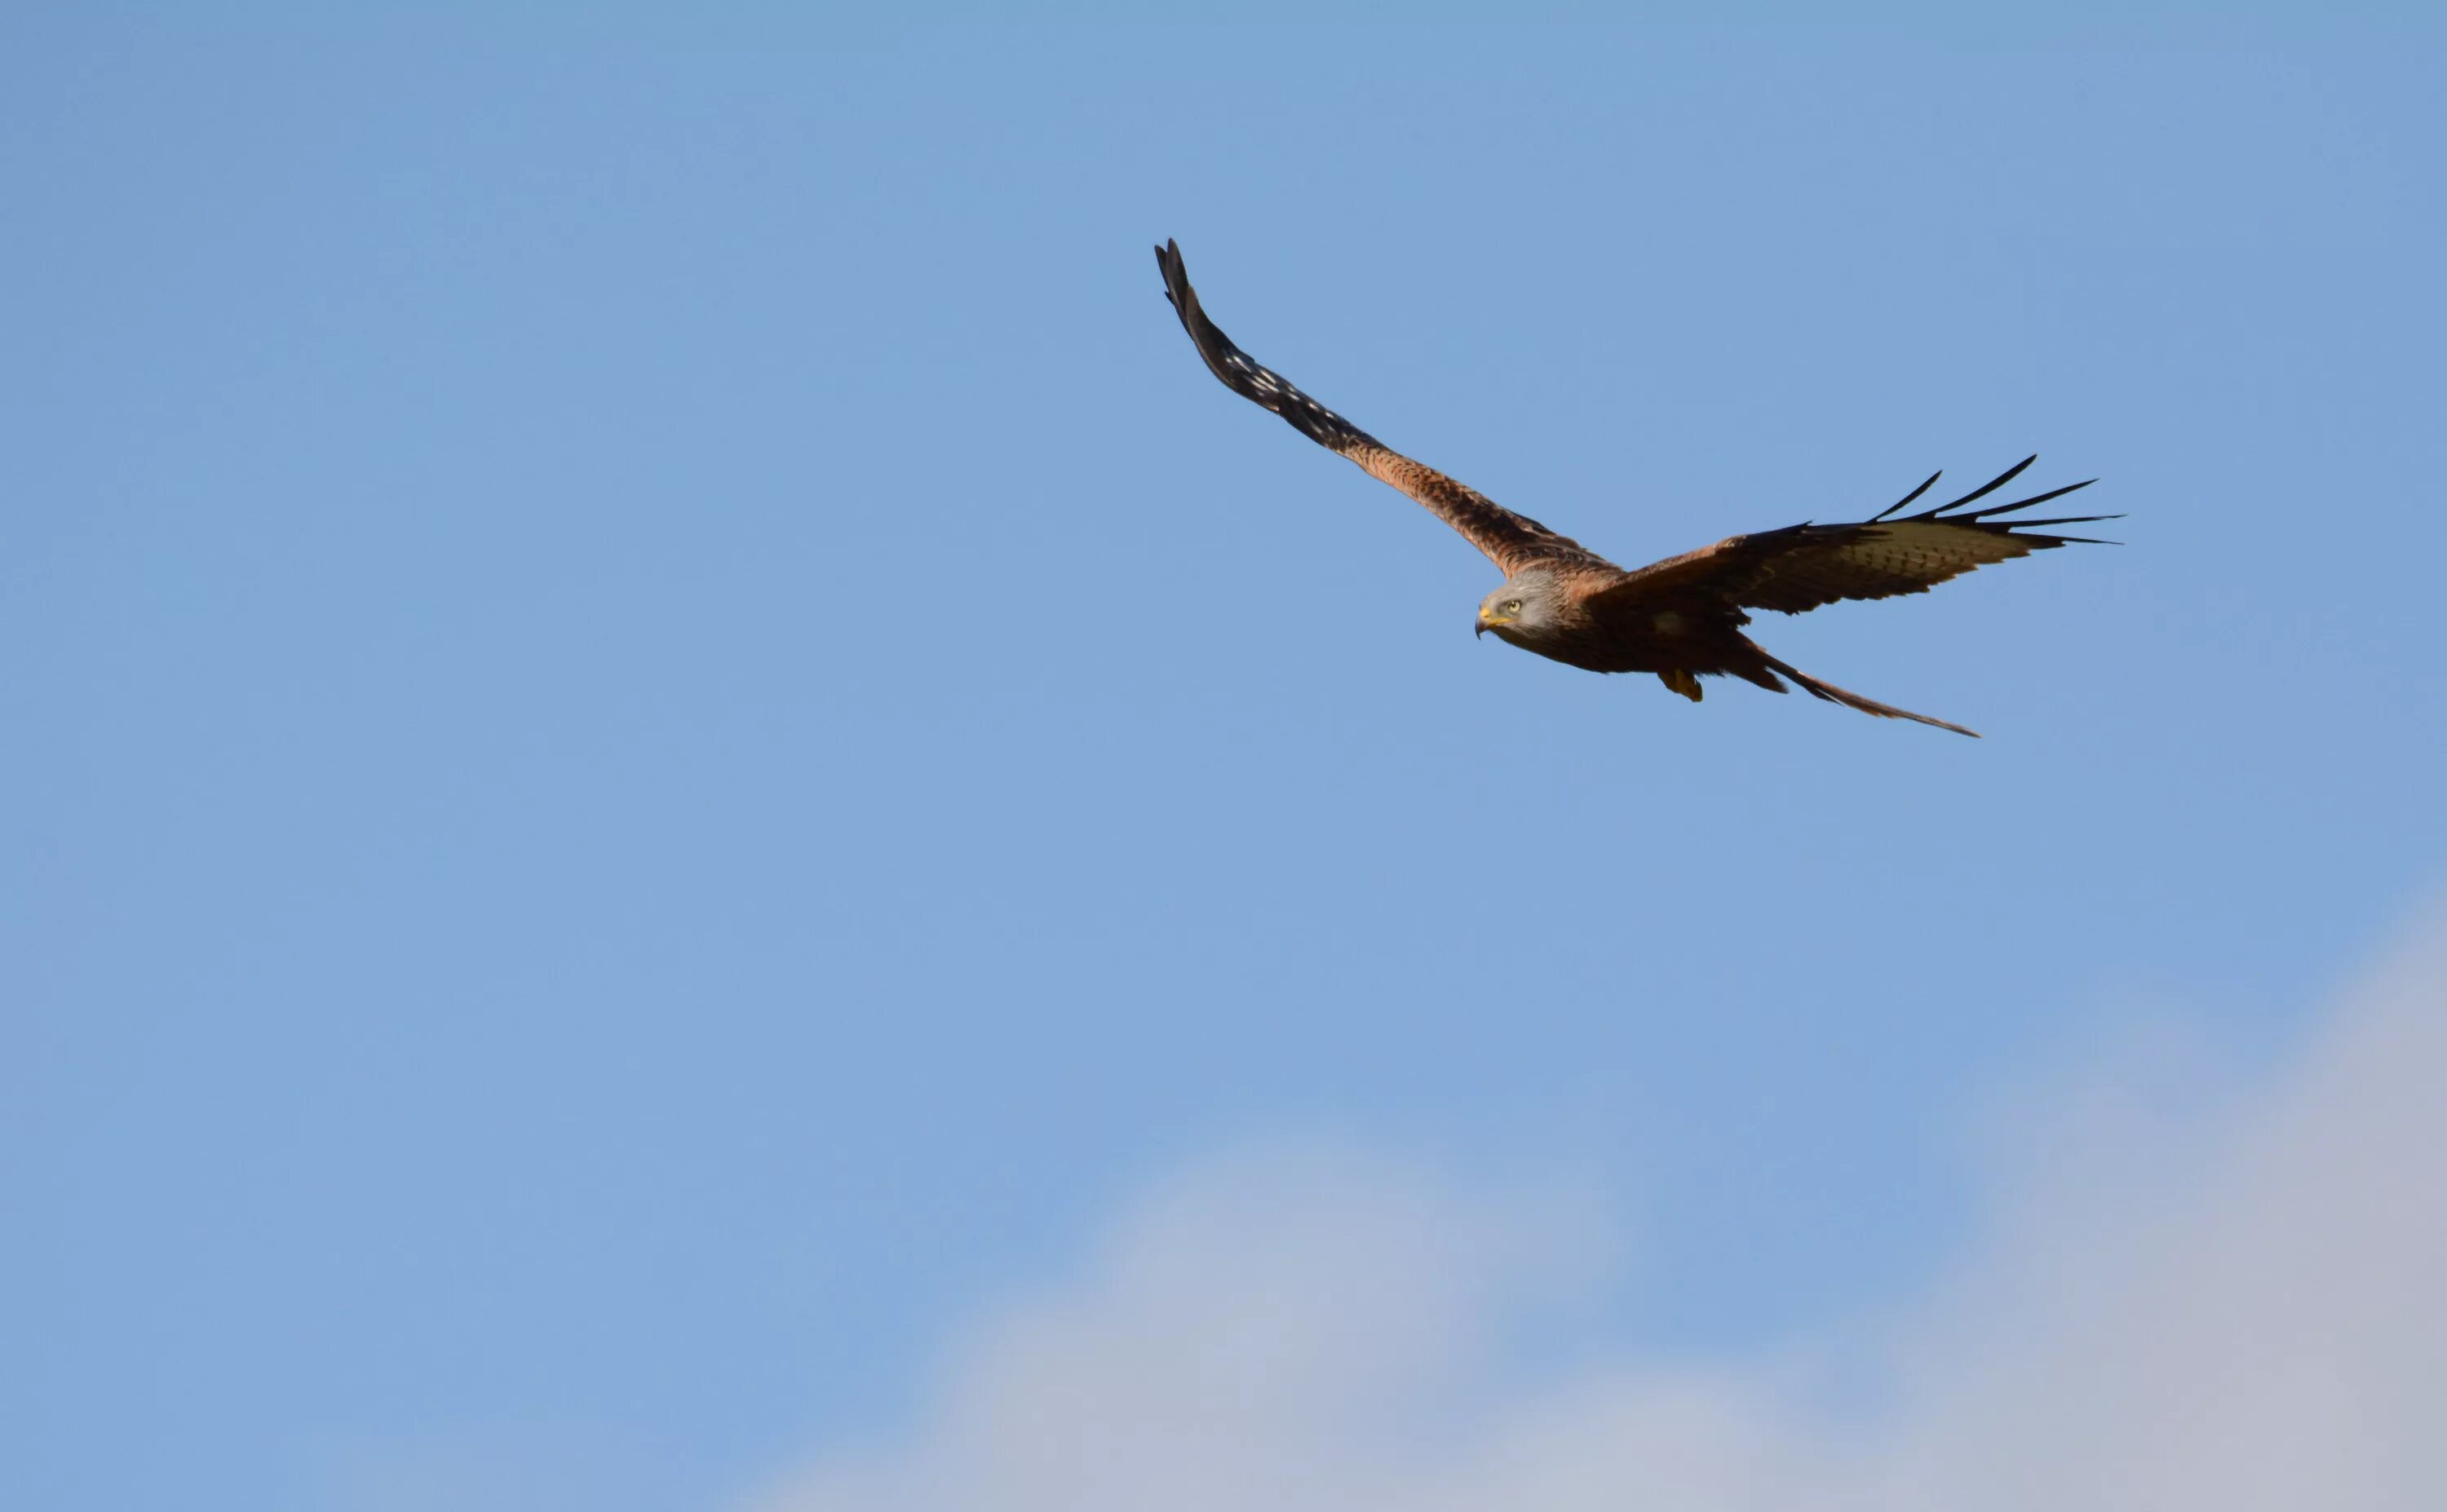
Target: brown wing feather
{"type": "Point", "coordinates": [1510, 541]}
{"type": "Point", "coordinates": [1802, 567]}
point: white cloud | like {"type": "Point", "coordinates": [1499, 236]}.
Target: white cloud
{"type": "Point", "coordinates": [2245, 1310]}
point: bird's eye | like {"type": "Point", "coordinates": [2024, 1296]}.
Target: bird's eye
{"type": "Point", "coordinates": [1512, 608]}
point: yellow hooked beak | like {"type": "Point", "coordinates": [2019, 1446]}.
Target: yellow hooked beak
{"type": "Point", "coordinates": [1486, 620]}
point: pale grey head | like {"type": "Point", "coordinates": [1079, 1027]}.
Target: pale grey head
{"type": "Point", "coordinates": [1527, 610]}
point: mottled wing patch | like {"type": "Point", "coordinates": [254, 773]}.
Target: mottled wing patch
{"type": "Point", "coordinates": [1882, 561]}
{"type": "Point", "coordinates": [1513, 540]}
{"type": "Point", "coordinates": [1803, 567]}
{"type": "Point", "coordinates": [1510, 541]}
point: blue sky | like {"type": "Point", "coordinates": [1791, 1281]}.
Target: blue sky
{"type": "Point", "coordinates": [666, 741]}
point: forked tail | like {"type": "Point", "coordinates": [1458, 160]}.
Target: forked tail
{"type": "Point", "coordinates": [1852, 700]}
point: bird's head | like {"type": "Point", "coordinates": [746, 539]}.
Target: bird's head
{"type": "Point", "coordinates": [1522, 610]}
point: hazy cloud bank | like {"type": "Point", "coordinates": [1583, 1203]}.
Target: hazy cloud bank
{"type": "Point", "coordinates": [2246, 1310]}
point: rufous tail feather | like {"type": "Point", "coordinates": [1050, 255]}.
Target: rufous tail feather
{"type": "Point", "coordinates": [1852, 700]}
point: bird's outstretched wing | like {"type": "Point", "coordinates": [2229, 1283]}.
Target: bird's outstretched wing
{"type": "Point", "coordinates": [1510, 541]}
{"type": "Point", "coordinates": [1802, 567]}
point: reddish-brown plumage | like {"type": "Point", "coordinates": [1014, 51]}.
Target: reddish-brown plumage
{"type": "Point", "coordinates": [1680, 618]}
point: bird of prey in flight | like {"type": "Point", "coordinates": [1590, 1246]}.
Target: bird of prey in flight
{"type": "Point", "coordinates": [1682, 617]}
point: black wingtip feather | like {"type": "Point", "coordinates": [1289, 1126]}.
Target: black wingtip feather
{"type": "Point", "coordinates": [1907, 498]}
{"type": "Point", "coordinates": [1991, 485]}
{"type": "Point", "coordinates": [2067, 520]}
{"type": "Point", "coordinates": [2023, 503]}
{"type": "Point", "coordinates": [1954, 514]}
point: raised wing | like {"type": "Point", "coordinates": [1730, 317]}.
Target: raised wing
{"type": "Point", "coordinates": [1802, 567]}
{"type": "Point", "coordinates": [1511, 540]}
